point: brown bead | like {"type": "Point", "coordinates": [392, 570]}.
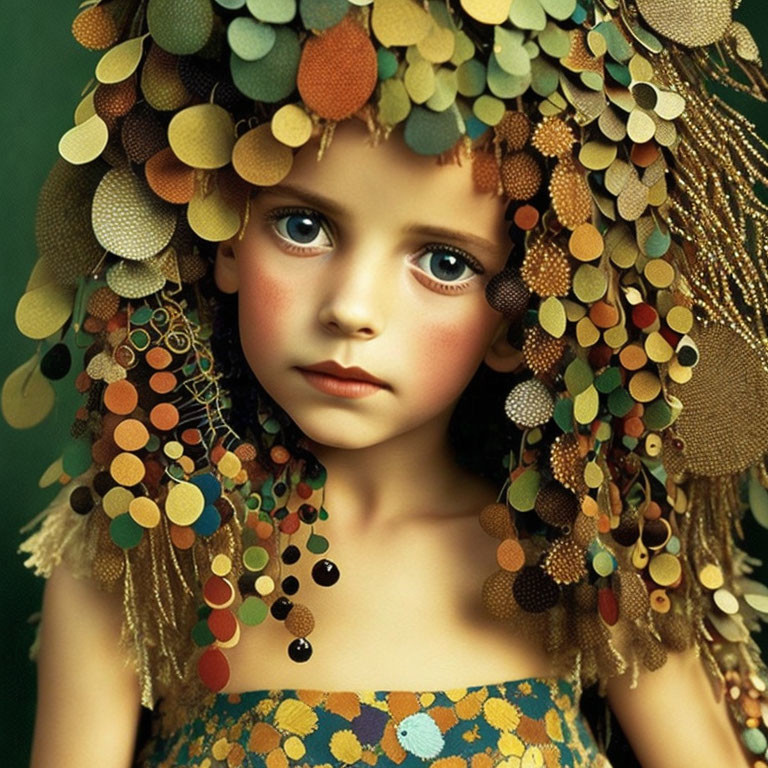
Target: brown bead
{"type": "Point", "coordinates": [495, 521]}
{"type": "Point", "coordinates": [541, 351]}
{"type": "Point", "coordinates": [520, 176]}
{"type": "Point", "coordinates": [546, 268]}
{"type": "Point", "coordinates": [514, 129]}
{"type": "Point", "coordinates": [506, 293]}
{"type": "Point", "coordinates": [556, 505]}
{"type": "Point", "coordinates": [632, 594]}
{"type": "Point", "coordinates": [497, 595]}
{"type": "Point", "coordinates": [300, 621]}
{"type": "Point", "coordinates": [535, 590]}
{"type": "Point", "coordinates": [565, 561]}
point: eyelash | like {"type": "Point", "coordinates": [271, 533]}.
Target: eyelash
{"type": "Point", "coordinates": [272, 217]}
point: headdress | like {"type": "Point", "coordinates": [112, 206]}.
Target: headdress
{"type": "Point", "coordinates": [642, 292]}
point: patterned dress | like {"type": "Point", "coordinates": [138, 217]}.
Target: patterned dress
{"type": "Point", "coordinates": [523, 723]}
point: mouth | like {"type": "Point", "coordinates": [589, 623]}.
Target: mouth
{"type": "Point", "coordinates": [333, 379]}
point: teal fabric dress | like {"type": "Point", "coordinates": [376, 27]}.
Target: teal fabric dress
{"type": "Point", "coordinates": [524, 723]}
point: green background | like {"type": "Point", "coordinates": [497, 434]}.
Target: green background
{"type": "Point", "coordinates": [43, 72]}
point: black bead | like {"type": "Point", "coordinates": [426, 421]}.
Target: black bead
{"type": "Point", "coordinates": [281, 608]}
{"type": "Point", "coordinates": [300, 649]}
{"type": "Point", "coordinates": [325, 573]}
{"type": "Point", "coordinates": [103, 482]}
{"type": "Point", "coordinates": [56, 362]}
{"type": "Point", "coordinates": [279, 489]}
{"type": "Point", "coordinates": [291, 554]}
{"type": "Point", "coordinates": [307, 513]}
{"type": "Point", "coordinates": [280, 513]}
{"type": "Point", "coordinates": [687, 355]}
{"type": "Point", "coordinates": [290, 585]}
{"type": "Point", "coordinates": [247, 583]}
{"type": "Point", "coordinates": [81, 500]}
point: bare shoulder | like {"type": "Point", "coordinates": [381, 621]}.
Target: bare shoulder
{"type": "Point", "coordinates": [675, 710]}
{"type": "Point", "coordinates": [84, 677]}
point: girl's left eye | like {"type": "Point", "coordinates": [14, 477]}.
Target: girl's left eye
{"type": "Point", "coordinates": [452, 267]}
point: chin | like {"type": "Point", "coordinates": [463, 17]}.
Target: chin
{"type": "Point", "coordinates": [335, 433]}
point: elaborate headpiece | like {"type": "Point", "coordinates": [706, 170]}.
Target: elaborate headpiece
{"type": "Point", "coordinates": [642, 293]}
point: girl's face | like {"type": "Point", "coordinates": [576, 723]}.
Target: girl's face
{"type": "Point", "coordinates": [372, 257]}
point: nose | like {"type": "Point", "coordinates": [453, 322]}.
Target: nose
{"type": "Point", "coordinates": [356, 296]}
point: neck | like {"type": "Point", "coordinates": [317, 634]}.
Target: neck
{"type": "Point", "coordinates": [411, 477]}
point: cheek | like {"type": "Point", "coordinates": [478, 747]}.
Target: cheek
{"type": "Point", "coordinates": [450, 353]}
{"type": "Point", "coordinates": [265, 302]}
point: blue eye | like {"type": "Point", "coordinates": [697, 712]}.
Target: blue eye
{"type": "Point", "coordinates": [300, 227]}
{"type": "Point", "coordinates": [446, 264]}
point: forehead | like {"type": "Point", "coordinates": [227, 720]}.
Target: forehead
{"type": "Point", "coordinates": [394, 183]}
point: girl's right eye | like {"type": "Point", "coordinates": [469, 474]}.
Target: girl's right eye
{"type": "Point", "coordinates": [299, 228]}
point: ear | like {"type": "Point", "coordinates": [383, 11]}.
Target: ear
{"type": "Point", "coordinates": [225, 268]}
{"type": "Point", "coordinates": [501, 356]}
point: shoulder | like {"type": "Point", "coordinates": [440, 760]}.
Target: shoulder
{"type": "Point", "coordinates": [676, 709]}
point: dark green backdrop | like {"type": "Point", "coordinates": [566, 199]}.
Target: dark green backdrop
{"type": "Point", "coordinates": [43, 71]}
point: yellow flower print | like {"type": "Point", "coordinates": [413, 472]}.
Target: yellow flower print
{"type": "Point", "coordinates": [554, 725]}
{"type": "Point", "coordinates": [296, 717]}
{"type": "Point", "coordinates": [501, 714]}
{"type": "Point", "coordinates": [345, 746]}
{"type": "Point", "coordinates": [509, 745]}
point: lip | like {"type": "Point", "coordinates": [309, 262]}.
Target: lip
{"type": "Point", "coordinates": [334, 379]}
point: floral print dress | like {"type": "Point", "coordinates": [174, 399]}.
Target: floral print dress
{"type": "Point", "coordinates": [528, 723]}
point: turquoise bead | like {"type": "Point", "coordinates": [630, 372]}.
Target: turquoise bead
{"type": "Point", "coordinates": [754, 740]}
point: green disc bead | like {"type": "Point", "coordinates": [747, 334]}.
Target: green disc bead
{"type": "Point", "coordinates": [252, 611]}
{"type": "Point", "coordinates": [125, 531]}
{"type": "Point", "coordinates": [201, 634]}
{"type": "Point", "coordinates": [255, 558]}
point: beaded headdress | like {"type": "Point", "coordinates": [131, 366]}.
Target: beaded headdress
{"type": "Point", "coordinates": [641, 292]}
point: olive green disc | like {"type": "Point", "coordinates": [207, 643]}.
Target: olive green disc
{"type": "Point", "coordinates": [180, 26]}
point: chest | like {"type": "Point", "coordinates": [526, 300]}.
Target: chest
{"type": "Point", "coordinates": [406, 613]}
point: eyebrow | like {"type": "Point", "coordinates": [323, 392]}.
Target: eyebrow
{"type": "Point", "coordinates": [319, 201]}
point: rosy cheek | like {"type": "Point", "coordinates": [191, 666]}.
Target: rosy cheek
{"type": "Point", "coordinates": [265, 301]}
{"type": "Point", "coordinates": [449, 356]}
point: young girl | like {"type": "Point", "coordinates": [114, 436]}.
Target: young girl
{"type": "Point", "coordinates": [413, 404]}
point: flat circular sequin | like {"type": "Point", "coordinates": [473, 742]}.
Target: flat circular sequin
{"type": "Point", "coordinates": [255, 558]}
{"type": "Point", "coordinates": [221, 565]}
{"type": "Point", "coordinates": [158, 358]}
{"type": "Point", "coordinates": [213, 669]}
{"type": "Point", "coordinates": [173, 449]}
{"type": "Point", "coordinates": [121, 397]}
{"type": "Point", "coordinates": [129, 220]}
{"type": "Point", "coordinates": [116, 501]}
{"type": "Point", "coordinates": [184, 503]}
{"type": "Point", "coordinates": [726, 601]}
{"type": "Point", "coordinates": [131, 435]}
{"type": "Point", "coordinates": [127, 469]}
{"type": "Point", "coordinates": [125, 532]}
{"type": "Point", "coordinates": [164, 416]}
{"type": "Point", "coordinates": [182, 536]}
{"type": "Point", "coordinates": [162, 382]}
{"type": "Point", "coordinates": [711, 576]}
{"type": "Point", "coordinates": [202, 136]}
{"type": "Point", "coordinates": [145, 512]}
{"type": "Point", "coordinates": [586, 242]}
{"type": "Point", "coordinates": [252, 611]}
{"type": "Point", "coordinates": [259, 158]}
{"type": "Point", "coordinates": [664, 569]}
{"type": "Point", "coordinates": [644, 386]}
{"type": "Point", "coordinates": [229, 465]}
{"type": "Point", "coordinates": [291, 125]}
